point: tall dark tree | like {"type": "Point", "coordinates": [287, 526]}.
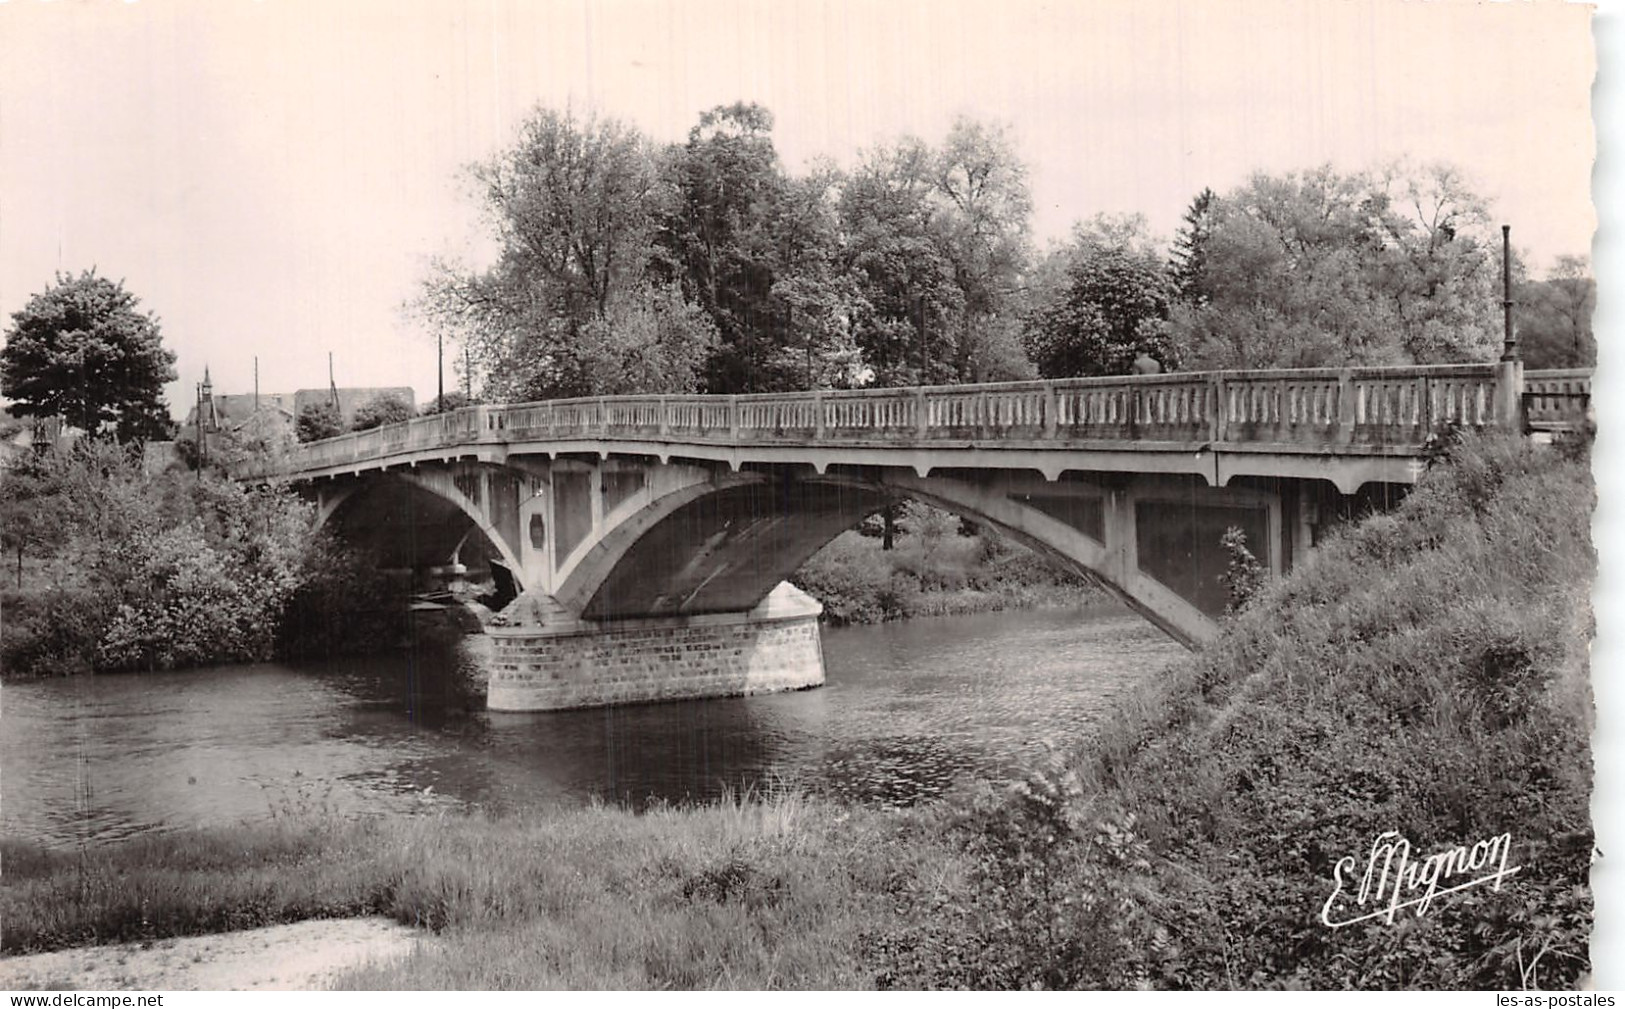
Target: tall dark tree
{"type": "Point", "coordinates": [907, 294]}
{"type": "Point", "coordinates": [718, 234]}
{"type": "Point", "coordinates": [82, 350]}
{"type": "Point", "coordinates": [1189, 264]}
{"type": "Point", "coordinates": [814, 295]}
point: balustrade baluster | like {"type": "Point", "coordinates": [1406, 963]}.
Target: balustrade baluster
{"type": "Point", "coordinates": [1394, 406]}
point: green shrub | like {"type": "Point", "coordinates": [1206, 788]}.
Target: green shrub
{"type": "Point", "coordinates": [385, 408]}
{"type": "Point", "coordinates": [49, 633]}
{"type": "Point", "coordinates": [167, 570]}
{"type": "Point", "coordinates": [317, 421]}
{"type": "Point", "coordinates": [1426, 674]}
{"type": "Point", "coordinates": [935, 569]}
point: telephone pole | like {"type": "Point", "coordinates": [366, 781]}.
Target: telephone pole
{"type": "Point", "coordinates": [1509, 350]}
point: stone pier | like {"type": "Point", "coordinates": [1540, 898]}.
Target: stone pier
{"type": "Point", "coordinates": [556, 662]}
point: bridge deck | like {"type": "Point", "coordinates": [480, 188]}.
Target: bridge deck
{"type": "Point", "coordinates": [1294, 422]}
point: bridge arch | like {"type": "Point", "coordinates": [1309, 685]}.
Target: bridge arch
{"type": "Point", "coordinates": [722, 546]}
{"type": "Point", "coordinates": [432, 538]}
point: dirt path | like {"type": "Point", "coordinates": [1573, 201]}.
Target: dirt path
{"type": "Point", "coordinates": [296, 957]}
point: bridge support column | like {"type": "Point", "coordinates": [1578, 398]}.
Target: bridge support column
{"type": "Point", "coordinates": [583, 664]}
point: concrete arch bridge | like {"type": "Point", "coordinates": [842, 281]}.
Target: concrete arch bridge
{"type": "Point", "coordinates": [650, 536]}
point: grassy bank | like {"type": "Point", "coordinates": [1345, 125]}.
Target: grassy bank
{"type": "Point", "coordinates": [764, 892]}
{"type": "Point", "coordinates": [937, 568]}
{"type": "Point", "coordinates": [1426, 674]}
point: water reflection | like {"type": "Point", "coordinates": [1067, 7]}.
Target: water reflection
{"type": "Point", "coordinates": [908, 711]}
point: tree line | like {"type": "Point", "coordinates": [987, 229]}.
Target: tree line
{"type": "Point", "coordinates": [704, 266]}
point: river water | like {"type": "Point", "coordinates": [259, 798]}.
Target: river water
{"type": "Point", "coordinates": [908, 710]}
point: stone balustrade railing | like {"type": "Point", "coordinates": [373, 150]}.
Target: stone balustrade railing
{"type": "Point", "coordinates": [1309, 410]}
{"type": "Point", "coordinates": [1557, 399]}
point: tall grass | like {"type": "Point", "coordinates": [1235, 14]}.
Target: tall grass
{"type": "Point", "coordinates": [751, 891]}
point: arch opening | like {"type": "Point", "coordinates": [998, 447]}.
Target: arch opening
{"type": "Point", "coordinates": [423, 535]}
{"type": "Point", "coordinates": [724, 550]}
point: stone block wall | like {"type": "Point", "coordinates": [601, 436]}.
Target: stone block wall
{"type": "Point", "coordinates": [719, 655]}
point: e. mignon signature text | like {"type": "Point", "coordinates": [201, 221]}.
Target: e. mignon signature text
{"type": "Point", "coordinates": [1394, 880]}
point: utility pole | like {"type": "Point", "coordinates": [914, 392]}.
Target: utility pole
{"type": "Point", "coordinates": [332, 386]}
{"type": "Point", "coordinates": [468, 376]}
{"type": "Point", "coordinates": [919, 303]}
{"type": "Point", "coordinates": [256, 383]}
{"type": "Point", "coordinates": [790, 322]}
{"type": "Point", "coordinates": [440, 380]}
{"type": "Point", "coordinates": [1509, 351]}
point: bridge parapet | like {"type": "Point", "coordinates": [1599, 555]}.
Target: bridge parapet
{"type": "Point", "coordinates": [645, 531]}
{"type": "Point", "coordinates": [1557, 399]}
{"type": "Point", "coordinates": [1313, 411]}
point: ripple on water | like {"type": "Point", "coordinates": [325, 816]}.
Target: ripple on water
{"type": "Point", "coordinates": [908, 712]}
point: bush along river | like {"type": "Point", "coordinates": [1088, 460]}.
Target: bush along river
{"type": "Point", "coordinates": [908, 710]}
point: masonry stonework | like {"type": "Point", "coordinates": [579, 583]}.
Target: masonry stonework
{"type": "Point", "coordinates": [773, 647]}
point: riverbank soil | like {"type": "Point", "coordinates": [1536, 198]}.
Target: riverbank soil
{"type": "Point", "coordinates": [298, 957]}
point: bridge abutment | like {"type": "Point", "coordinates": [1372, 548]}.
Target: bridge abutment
{"type": "Point", "coordinates": [569, 663]}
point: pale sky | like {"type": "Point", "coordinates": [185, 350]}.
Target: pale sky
{"type": "Point", "coordinates": [270, 177]}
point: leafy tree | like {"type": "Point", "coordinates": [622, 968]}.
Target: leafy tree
{"type": "Point", "coordinates": [936, 241]}
{"type": "Point", "coordinates": [1319, 269]}
{"type": "Point", "coordinates": [906, 295]}
{"type": "Point", "coordinates": [317, 421]}
{"type": "Point", "coordinates": [1284, 280]}
{"type": "Point", "coordinates": [651, 340]}
{"type": "Point", "coordinates": [385, 408]}
{"type": "Point", "coordinates": [984, 211]}
{"type": "Point", "coordinates": [1435, 267]}
{"type": "Point", "coordinates": [82, 350]}
{"type": "Point", "coordinates": [574, 206]}
{"type": "Point", "coordinates": [622, 266]}
{"type": "Point", "coordinates": [1553, 317]}
{"type": "Point", "coordinates": [1112, 303]}
{"type": "Point", "coordinates": [718, 235]}
{"type": "Point", "coordinates": [814, 296]}
{"type": "Point", "coordinates": [30, 519]}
